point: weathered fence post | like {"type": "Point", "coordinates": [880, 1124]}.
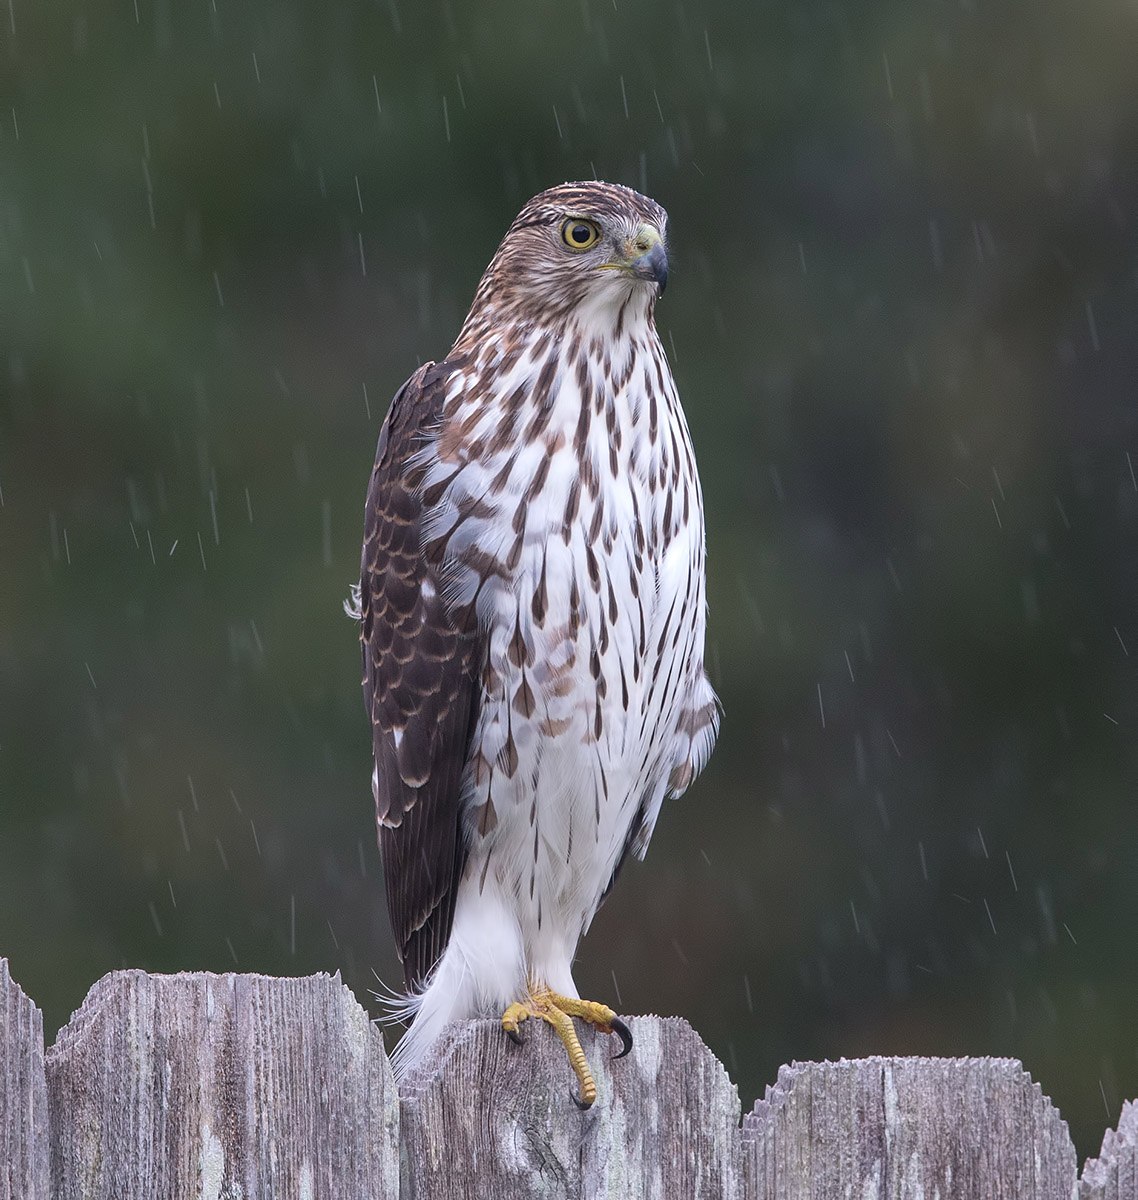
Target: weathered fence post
{"type": "Point", "coordinates": [221, 1086]}
{"type": "Point", "coordinates": [483, 1118]}
{"type": "Point", "coordinates": [1114, 1174]}
{"type": "Point", "coordinates": [23, 1095]}
{"type": "Point", "coordinates": [907, 1127]}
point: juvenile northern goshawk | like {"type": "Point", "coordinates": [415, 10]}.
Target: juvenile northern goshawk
{"type": "Point", "coordinates": [532, 617]}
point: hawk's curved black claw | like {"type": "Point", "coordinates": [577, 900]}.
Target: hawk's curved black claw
{"type": "Point", "coordinates": [515, 1036]}
{"type": "Point", "coordinates": [625, 1035]}
{"type": "Point", "coordinates": [579, 1102]}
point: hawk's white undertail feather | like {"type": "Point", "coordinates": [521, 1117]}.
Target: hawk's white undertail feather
{"type": "Point", "coordinates": [481, 971]}
{"type": "Point", "coordinates": [398, 1006]}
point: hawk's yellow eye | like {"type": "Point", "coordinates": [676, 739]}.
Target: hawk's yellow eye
{"type": "Point", "coordinates": [579, 235]}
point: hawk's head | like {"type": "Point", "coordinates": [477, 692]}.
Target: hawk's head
{"type": "Point", "coordinates": [586, 247]}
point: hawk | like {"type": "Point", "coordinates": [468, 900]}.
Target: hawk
{"type": "Point", "coordinates": [532, 617]}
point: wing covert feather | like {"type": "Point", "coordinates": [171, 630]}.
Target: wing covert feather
{"type": "Point", "coordinates": [421, 685]}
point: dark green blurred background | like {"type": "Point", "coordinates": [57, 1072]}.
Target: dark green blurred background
{"type": "Point", "coordinates": [903, 322]}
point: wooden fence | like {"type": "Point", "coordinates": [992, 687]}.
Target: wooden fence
{"type": "Point", "coordinates": [220, 1087]}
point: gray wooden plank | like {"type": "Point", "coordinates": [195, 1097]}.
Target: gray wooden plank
{"type": "Point", "coordinates": [23, 1095]}
{"type": "Point", "coordinates": [221, 1086]}
{"type": "Point", "coordinates": [906, 1127]}
{"type": "Point", "coordinates": [485, 1118]}
{"type": "Point", "coordinates": [1114, 1174]}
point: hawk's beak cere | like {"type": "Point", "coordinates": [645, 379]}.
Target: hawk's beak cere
{"type": "Point", "coordinates": [647, 257]}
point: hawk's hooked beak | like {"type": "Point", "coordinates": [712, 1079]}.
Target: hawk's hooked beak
{"type": "Point", "coordinates": [648, 259]}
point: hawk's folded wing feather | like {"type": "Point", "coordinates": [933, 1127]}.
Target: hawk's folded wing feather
{"type": "Point", "coordinates": [421, 685]}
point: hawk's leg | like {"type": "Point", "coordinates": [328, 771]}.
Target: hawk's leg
{"type": "Point", "coordinates": [559, 1012]}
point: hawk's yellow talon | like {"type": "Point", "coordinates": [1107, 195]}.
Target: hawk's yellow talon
{"type": "Point", "coordinates": [559, 1011]}
{"type": "Point", "coordinates": [511, 1019]}
{"type": "Point", "coordinates": [588, 1010]}
{"type": "Point", "coordinates": [624, 1033]}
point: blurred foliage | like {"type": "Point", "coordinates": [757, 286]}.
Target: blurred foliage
{"type": "Point", "coordinates": [902, 318]}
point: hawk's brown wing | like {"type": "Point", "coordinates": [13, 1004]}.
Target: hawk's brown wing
{"type": "Point", "coordinates": [421, 667]}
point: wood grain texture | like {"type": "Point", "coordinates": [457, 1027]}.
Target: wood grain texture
{"type": "Point", "coordinates": [224, 1086]}
{"type": "Point", "coordinates": [1114, 1174]}
{"type": "Point", "coordinates": [907, 1127]}
{"type": "Point", "coordinates": [23, 1095]}
{"type": "Point", "coordinates": [221, 1086]}
{"type": "Point", "coordinates": [484, 1118]}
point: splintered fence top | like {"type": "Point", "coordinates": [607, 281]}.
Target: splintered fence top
{"type": "Point", "coordinates": [219, 1087]}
